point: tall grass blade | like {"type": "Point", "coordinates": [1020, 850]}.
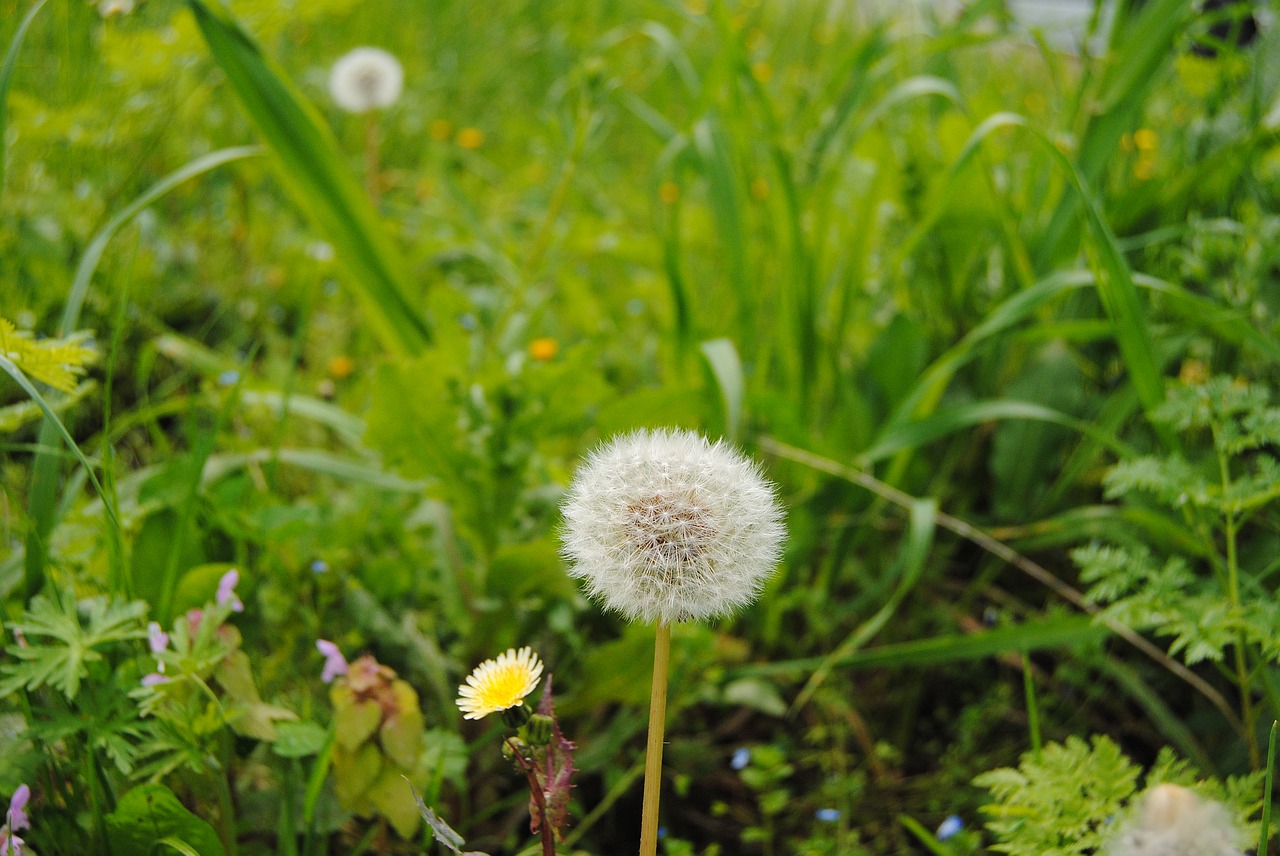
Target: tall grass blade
{"type": "Point", "coordinates": [6, 75]}
{"type": "Point", "coordinates": [314, 172]}
{"type": "Point", "coordinates": [1142, 42]}
{"type": "Point", "coordinates": [1059, 631]}
{"type": "Point", "coordinates": [909, 565]}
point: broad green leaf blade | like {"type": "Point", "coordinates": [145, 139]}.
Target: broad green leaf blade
{"type": "Point", "coordinates": [312, 169]}
{"type": "Point", "coordinates": [150, 815]}
{"type": "Point", "coordinates": [726, 367]}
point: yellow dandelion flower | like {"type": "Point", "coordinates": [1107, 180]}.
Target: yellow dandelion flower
{"type": "Point", "coordinates": [669, 192]}
{"type": "Point", "coordinates": [496, 685]}
{"type": "Point", "coordinates": [762, 71]}
{"type": "Point", "coordinates": [341, 366]}
{"type": "Point", "coordinates": [440, 129]}
{"type": "Point", "coordinates": [1144, 139]}
{"type": "Point", "coordinates": [544, 349]}
{"type": "Point", "coordinates": [470, 138]}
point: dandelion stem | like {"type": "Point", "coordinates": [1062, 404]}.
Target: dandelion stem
{"type": "Point", "coordinates": [657, 733]}
{"type": "Point", "coordinates": [372, 167]}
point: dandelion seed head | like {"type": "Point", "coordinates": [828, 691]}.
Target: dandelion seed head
{"type": "Point", "coordinates": [496, 685]}
{"type": "Point", "coordinates": [365, 79]}
{"type": "Point", "coordinates": [1173, 821]}
{"type": "Point", "coordinates": [666, 525]}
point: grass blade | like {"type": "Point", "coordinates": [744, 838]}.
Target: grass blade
{"type": "Point", "coordinates": [314, 172]}
{"type": "Point", "coordinates": [1059, 631]}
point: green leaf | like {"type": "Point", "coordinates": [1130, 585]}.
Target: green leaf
{"type": "Point", "coordinates": [299, 739]}
{"type": "Point", "coordinates": [150, 814]}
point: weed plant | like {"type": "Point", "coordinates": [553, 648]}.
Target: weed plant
{"type": "Point", "coordinates": [997, 317]}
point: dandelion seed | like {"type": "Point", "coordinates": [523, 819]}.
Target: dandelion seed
{"type": "Point", "coordinates": [1173, 821]}
{"type": "Point", "coordinates": [497, 685]}
{"type": "Point", "coordinates": [334, 663]}
{"type": "Point", "coordinates": [366, 79]}
{"type": "Point", "coordinates": [665, 525]}
{"type": "Point", "coordinates": [227, 591]}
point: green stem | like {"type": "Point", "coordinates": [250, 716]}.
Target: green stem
{"type": "Point", "coordinates": [1247, 712]}
{"type": "Point", "coordinates": [226, 806]}
{"type": "Point", "coordinates": [657, 733]}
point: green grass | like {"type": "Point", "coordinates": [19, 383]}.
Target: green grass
{"type": "Point", "coordinates": [935, 275]}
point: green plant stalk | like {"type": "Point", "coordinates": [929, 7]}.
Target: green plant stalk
{"type": "Point", "coordinates": [1265, 828]}
{"type": "Point", "coordinates": [653, 750]}
{"type": "Point", "coordinates": [1033, 709]}
{"type": "Point", "coordinates": [1247, 712]}
{"type": "Point", "coordinates": [372, 164]}
{"type": "Point", "coordinates": [226, 805]}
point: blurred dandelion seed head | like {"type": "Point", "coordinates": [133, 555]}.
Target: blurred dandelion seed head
{"type": "Point", "coordinates": [1173, 821]}
{"type": "Point", "coordinates": [665, 525]}
{"type": "Point", "coordinates": [111, 8]}
{"type": "Point", "coordinates": [496, 685]}
{"type": "Point", "coordinates": [366, 79]}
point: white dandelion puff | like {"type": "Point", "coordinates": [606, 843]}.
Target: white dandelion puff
{"type": "Point", "coordinates": [1173, 821]}
{"type": "Point", "coordinates": [665, 525]}
{"type": "Point", "coordinates": [365, 79]}
{"type": "Point", "coordinates": [111, 8]}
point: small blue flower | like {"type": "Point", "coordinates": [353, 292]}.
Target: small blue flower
{"type": "Point", "coordinates": [319, 566]}
{"type": "Point", "coordinates": [228, 378]}
{"type": "Point", "coordinates": [741, 758]}
{"type": "Point", "coordinates": [662, 832]}
{"type": "Point", "coordinates": [827, 815]}
{"type": "Point", "coordinates": [949, 827]}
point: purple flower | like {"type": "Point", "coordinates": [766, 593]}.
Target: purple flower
{"type": "Point", "coordinates": [334, 663]}
{"type": "Point", "coordinates": [154, 678]}
{"type": "Point", "coordinates": [17, 817]}
{"type": "Point", "coordinates": [156, 638]}
{"type": "Point", "coordinates": [10, 844]}
{"type": "Point", "coordinates": [227, 590]}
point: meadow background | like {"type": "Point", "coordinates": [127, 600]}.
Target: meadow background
{"type": "Point", "coordinates": [999, 319]}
